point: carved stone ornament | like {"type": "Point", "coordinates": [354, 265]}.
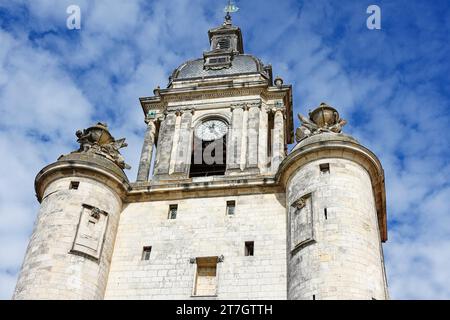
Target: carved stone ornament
{"type": "Point", "coordinates": [322, 119]}
{"type": "Point", "coordinates": [90, 233]}
{"type": "Point", "coordinates": [98, 140]}
{"type": "Point", "coordinates": [299, 204]}
{"type": "Point", "coordinates": [95, 213]}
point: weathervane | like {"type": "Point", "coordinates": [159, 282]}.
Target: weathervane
{"type": "Point", "coordinates": [230, 8]}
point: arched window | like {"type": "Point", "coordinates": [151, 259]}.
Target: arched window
{"type": "Point", "coordinates": [209, 149]}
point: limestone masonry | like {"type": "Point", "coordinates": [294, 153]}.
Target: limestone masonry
{"type": "Point", "coordinates": [220, 209]}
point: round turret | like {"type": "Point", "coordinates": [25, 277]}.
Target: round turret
{"type": "Point", "coordinates": [81, 194]}
{"type": "Point", "coordinates": [335, 201]}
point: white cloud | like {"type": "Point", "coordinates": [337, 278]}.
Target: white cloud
{"type": "Point", "coordinates": [38, 101]}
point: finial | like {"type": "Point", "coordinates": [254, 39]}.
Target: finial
{"type": "Point", "coordinates": [230, 8]}
{"type": "Point", "coordinates": [324, 118]}
{"type": "Point", "coordinates": [278, 82]}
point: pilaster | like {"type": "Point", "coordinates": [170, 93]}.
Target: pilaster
{"type": "Point", "coordinates": [147, 151]}
{"type": "Point", "coordinates": [165, 143]}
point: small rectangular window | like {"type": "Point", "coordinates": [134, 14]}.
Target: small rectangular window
{"type": "Point", "coordinates": [173, 208]}
{"type": "Point", "coordinates": [249, 248]}
{"type": "Point", "coordinates": [314, 297]}
{"type": "Point", "coordinates": [218, 60]}
{"type": "Point", "coordinates": [231, 206]}
{"type": "Point", "coordinates": [74, 185]}
{"type": "Point", "coordinates": [146, 253]}
{"type": "Point", "coordinates": [324, 167]}
{"type": "Point", "coordinates": [325, 212]}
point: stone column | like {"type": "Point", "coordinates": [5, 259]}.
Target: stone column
{"type": "Point", "coordinates": [234, 144]}
{"type": "Point", "coordinates": [165, 142]}
{"type": "Point", "coordinates": [176, 134]}
{"type": "Point", "coordinates": [263, 160]}
{"type": "Point", "coordinates": [184, 145]}
{"type": "Point", "coordinates": [278, 143]}
{"type": "Point", "coordinates": [147, 151]}
{"type": "Point", "coordinates": [252, 138]}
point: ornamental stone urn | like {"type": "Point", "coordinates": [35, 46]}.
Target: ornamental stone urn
{"type": "Point", "coordinates": [324, 115]}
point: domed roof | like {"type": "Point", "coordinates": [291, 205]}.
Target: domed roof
{"type": "Point", "coordinates": [240, 64]}
{"type": "Point", "coordinates": [225, 57]}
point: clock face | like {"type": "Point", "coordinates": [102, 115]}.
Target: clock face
{"type": "Point", "coordinates": [211, 130]}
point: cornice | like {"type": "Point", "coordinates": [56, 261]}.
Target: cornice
{"type": "Point", "coordinates": [206, 93]}
{"type": "Point", "coordinates": [90, 170]}
{"type": "Point", "coordinates": [221, 186]}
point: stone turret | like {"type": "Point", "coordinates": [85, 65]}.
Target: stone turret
{"type": "Point", "coordinates": [81, 194]}
{"type": "Point", "coordinates": [335, 201]}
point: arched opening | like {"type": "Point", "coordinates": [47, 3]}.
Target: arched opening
{"type": "Point", "coordinates": [212, 151]}
{"type": "Point", "coordinates": [209, 150]}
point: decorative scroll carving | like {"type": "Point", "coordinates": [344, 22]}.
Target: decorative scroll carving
{"type": "Point", "coordinates": [90, 232]}
{"type": "Point", "coordinates": [322, 119]}
{"type": "Point", "coordinates": [98, 140]}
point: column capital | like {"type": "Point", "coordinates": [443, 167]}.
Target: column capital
{"type": "Point", "coordinates": [159, 118]}
{"type": "Point", "coordinates": [265, 108]}
{"type": "Point", "coordinates": [170, 112]}
{"type": "Point", "coordinates": [276, 110]}
{"type": "Point", "coordinates": [245, 105]}
{"type": "Point", "coordinates": [187, 110]}
{"type": "Point", "coordinates": [152, 121]}
{"type": "Point", "coordinates": [236, 106]}
{"type": "Point", "coordinates": [178, 112]}
{"type": "Point", "coordinates": [252, 105]}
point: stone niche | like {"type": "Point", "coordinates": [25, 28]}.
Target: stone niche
{"type": "Point", "coordinates": [301, 222]}
{"type": "Point", "coordinates": [90, 232]}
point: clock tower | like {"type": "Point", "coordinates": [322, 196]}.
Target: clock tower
{"type": "Point", "coordinates": [221, 115]}
{"type": "Point", "coordinates": [219, 209]}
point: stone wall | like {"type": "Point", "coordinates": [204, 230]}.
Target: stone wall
{"type": "Point", "coordinates": [201, 229]}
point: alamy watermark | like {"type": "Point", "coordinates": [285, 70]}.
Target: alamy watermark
{"type": "Point", "coordinates": [73, 21]}
{"type": "Point", "coordinates": [374, 20]}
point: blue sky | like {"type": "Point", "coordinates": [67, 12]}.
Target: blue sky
{"type": "Point", "coordinates": [392, 85]}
